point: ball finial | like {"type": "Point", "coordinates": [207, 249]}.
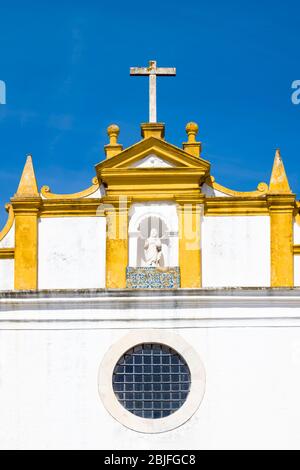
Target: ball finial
{"type": "Point", "coordinates": [192, 129]}
{"type": "Point", "coordinates": [113, 132]}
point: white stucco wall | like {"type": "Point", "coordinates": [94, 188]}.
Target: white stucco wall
{"type": "Point", "coordinates": [236, 251]}
{"type": "Point", "coordinates": [72, 252]}
{"type": "Point", "coordinates": [9, 240]}
{"type": "Point", "coordinates": [211, 192]}
{"type": "Point", "coordinates": [49, 366]}
{"type": "Point", "coordinates": [297, 271]}
{"type": "Point", "coordinates": [7, 274]}
{"type": "Point", "coordinates": [297, 258]}
{"type": "Point", "coordinates": [97, 194]}
{"type": "Point", "coordinates": [296, 234]}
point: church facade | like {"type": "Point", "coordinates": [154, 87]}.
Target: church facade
{"type": "Point", "coordinates": [156, 309]}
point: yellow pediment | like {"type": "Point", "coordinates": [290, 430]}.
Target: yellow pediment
{"type": "Point", "coordinates": [162, 149]}
{"type": "Point", "coordinates": [176, 173]}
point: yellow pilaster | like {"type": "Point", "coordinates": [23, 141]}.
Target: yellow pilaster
{"type": "Point", "coordinates": [26, 244]}
{"type": "Point", "coordinates": [281, 209]}
{"type": "Point", "coordinates": [26, 204]}
{"type": "Point", "coordinates": [116, 247]}
{"type": "Point", "coordinates": [281, 203]}
{"type": "Point", "coordinates": [190, 263]}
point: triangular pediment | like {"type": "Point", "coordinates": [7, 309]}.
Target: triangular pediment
{"type": "Point", "coordinates": [152, 169]}
{"type": "Point", "coordinates": [168, 154]}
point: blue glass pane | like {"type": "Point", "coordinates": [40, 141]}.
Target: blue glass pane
{"type": "Point", "coordinates": [151, 381]}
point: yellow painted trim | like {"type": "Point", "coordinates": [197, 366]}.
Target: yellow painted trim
{"type": "Point", "coordinates": [26, 242]}
{"type": "Point", "coordinates": [262, 189]}
{"type": "Point", "coordinates": [7, 253]}
{"type": "Point", "coordinates": [47, 194]}
{"type": "Point", "coordinates": [235, 206]}
{"type": "Point", "coordinates": [9, 223]}
{"type": "Point", "coordinates": [296, 249]}
{"type": "Point", "coordinates": [116, 248]}
{"type": "Point", "coordinates": [88, 207]}
{"type": "Point", "coordinates": [150, 145]}
{"type": "Point", "coordinates": [190, 262]}
{"type": "Point", "coordinates": [281, 207]}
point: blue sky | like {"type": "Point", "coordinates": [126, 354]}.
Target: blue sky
{"type": "Point", "coordinates": [66, 68]}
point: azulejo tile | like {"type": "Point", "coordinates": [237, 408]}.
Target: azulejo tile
{"type": "Point", "coordinates": [153, 278]}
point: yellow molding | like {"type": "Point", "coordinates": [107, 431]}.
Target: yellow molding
{"type": "Point", "coordinates": [9, 223]}
{"type": "Point", "coordinates": [261, 190]}
{"type": "Point", "coordinates": [142, 182]}
{"type": "Point", "coordinates": [190, 262]}
{"type": "Point", "coordinates": [150, 145]}
{"type": "Point", "coordinates": [235, 206]}
{"type": "Point", "coordinates": [47, 194]}
{"type": "Point", "coordinates": [26, 211]}
{"type": "Point", "coordinates": [89, 207]}
{"type": "Point", "coordinates": [7, 253]}
{"type": "Point", "coordinates": [296, 249]}
{"type": "Point", "coordinates": [116, 249]}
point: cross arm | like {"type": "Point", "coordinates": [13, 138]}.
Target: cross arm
{"type": "Point", "coordinates": [139, 71]}
{"type": "Point", "coordinates": [166, 71]}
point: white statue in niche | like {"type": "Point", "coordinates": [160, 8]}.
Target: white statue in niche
{"type": "Point", "coordinates": [153, 250]}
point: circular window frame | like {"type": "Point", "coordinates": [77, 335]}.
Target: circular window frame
{"type": "Point", "coordinates": [147, 425]}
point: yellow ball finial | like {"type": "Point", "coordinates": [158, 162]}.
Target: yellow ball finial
{"type": "Point", "coordinates": [192, 130]}
{"type": "Point", "coordinates": [113, 132]}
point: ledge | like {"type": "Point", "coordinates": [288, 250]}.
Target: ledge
{"type": "Point", "coordinates": [134, 293]}
{"type": "Point", "coordinates": [130, 309]}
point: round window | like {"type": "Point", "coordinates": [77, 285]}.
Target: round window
{"type": "Point", "coordinates": [151, 380]}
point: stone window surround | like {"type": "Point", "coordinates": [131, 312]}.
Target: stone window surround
{"type": "Point", "coordinates": [144, 425]}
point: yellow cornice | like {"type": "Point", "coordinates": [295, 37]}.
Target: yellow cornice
{"type": "Point", "coordinates": [9, 223]}
{"type": "Point", "coordinates": [221, 206]}
{"type": "Point", "coordinates": [139, 177]}
{"type": "Point", "coordinates": [296, 249]}
{"type": "Point", "coordinates": [145, 184]}
{"type": "Point", "coordinates": [7, 253]}
{"type": "Point", "coordinates": [46, 192]}
{"type": "Point", "coordinates": [261, 190]}
{"type": "Point", "coordinates": [65, 208]}
{"type": "Point", "coordinates": [281, 202]}
{"type": "Point", "coordinates": [26, 205]}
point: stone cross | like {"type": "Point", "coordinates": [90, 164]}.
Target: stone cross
{"type": "Point", "coordinates": [152, 71]}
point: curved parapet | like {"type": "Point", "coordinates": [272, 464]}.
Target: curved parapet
{"type": "Point", "coordinates": [47, 194]}
{"type": "Point", "coordinates": [9, 223]}
{"type": "Point", "coordinates": [262, 189]}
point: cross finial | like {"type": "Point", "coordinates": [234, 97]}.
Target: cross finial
{"type": "Point", "coordinates": [152, 71]}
